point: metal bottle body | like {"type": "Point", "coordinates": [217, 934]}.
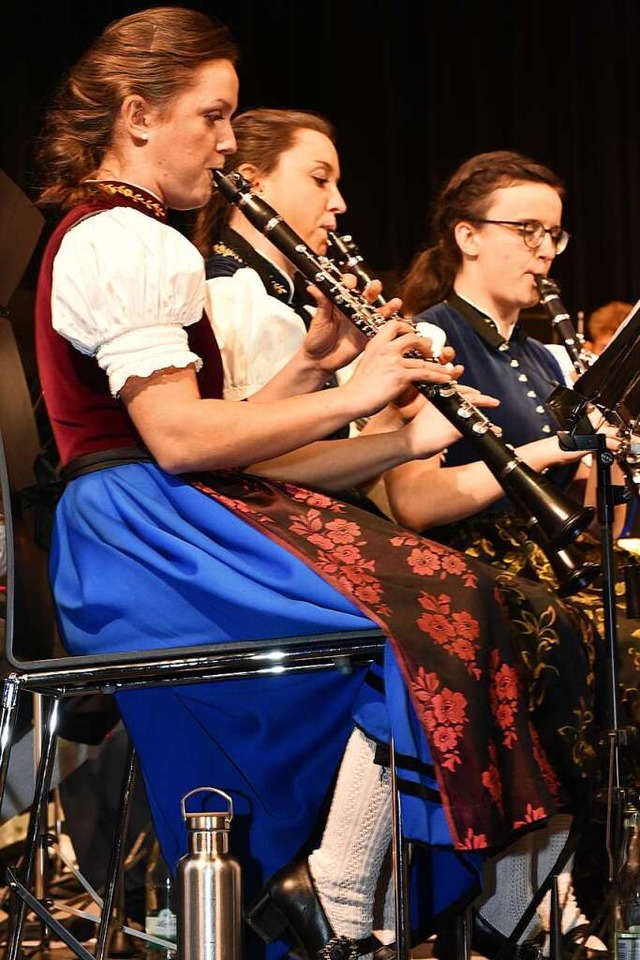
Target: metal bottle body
{"type": "Point", "coordinates": [209, 892]}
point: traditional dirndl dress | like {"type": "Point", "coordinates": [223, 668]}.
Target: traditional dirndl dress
{"type": "Point", "coordinates": [141, 559]}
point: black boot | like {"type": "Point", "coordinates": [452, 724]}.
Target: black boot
{"type": "Point", "coordinates": [289, 908]}
{"type": "Point", "coordinates": [488, 941]}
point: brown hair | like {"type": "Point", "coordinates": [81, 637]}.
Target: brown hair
{"type": "Point", "coordinates": [604, 321]}
{"type": "Point", "coordinates": [262, 136]}
{"type": "Point", "coordinates": [465, 196]}
{"type": "Point", "coordinates": [153, 53]}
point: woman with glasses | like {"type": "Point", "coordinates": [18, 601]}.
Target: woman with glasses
{"type": "Point", "coordinates": [497, 225]}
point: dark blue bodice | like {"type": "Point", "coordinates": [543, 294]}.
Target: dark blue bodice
{"type": "Point", "coordinates": [521, 373]}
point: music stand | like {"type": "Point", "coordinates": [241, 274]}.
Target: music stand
{"type": "Point", "coordinates": [20, 226]}
{"type": "Point", "coordinates": [612, 385]}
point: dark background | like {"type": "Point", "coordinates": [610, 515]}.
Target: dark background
{"type": "Point", "coordinates": [414, 87]}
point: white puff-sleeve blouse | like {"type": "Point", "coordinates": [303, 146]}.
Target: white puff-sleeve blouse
{"type": "Point", "coordinates": [124, 288]}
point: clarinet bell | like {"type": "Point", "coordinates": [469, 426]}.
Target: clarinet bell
{"type": "Point", "coordinates": [555, 519]}
{"type": "Point", "coordinates": [571, 571]}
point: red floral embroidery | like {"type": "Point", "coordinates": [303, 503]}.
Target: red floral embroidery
{"type": "Point", "coordinates": [424, 561]}
{"type": "Point", "coordinates": [531, 815]}
{"type": "Point", "coordinates": [505, 680]}
{"type": "Point", "coordinates": [356, 578]}
{"type": "Point", "coordinates": [397, 578]}
{"type": "Point", "coordinates": [445, 739]}
{"type": "Point", "coordinates": [455, 632]}
{"type": "Point", "coordinates": [503, 698]}
{"type": "Point", "coordinates": [473, 841]}
{"type": "Point", "coordinates": [454, 564]}
{"type": "Point", "coordinates": [449, 707]}
{"type": "Point", "coordinates": [343, 531]}
{"type": "Point", "coordinates": [425, 685]}
{"type": "Point", "coordinates": [314, 499]}
{"type": "Point", "coordinates": [445, 715]}
{"type": "Point", "coordinates": [466, 625]}
{"type": "Point", "coordinates": [308, 524]}
{"type": "Point", "coordinates": [542, 760]}
{"type": "Point", "coordinates": [346, 553]}
{"type": "Point", "coordinates": [466, 650]}
{"type": "Point", "coordinates": [405, 540]}
{"type": "Point", "coordinates": [428, 559]}
{"type": "Point", "coordinates": [438, 626]}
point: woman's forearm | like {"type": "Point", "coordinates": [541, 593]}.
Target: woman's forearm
{"type": "Point", "coordinates": [337, 464]}
{"type": "Point", "coordinates": [424, 494]}
{"type": "Point", "coordinates": [186, 433]}
{"type": "Point", "coordinates": [299, 375]}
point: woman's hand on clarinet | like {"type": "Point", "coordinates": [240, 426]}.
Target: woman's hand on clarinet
{"type": "Point", "coordinates": [428, 431]}
{"type": "Point", "coordinates": [409, 404]}
{"type": "Point", "coordinates": [384, 370]}
{"type": "Point", "coordinates": [333, 341]}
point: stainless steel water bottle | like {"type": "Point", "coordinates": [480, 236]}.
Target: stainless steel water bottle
{"type": "Point", "coordinates": [209, 893]}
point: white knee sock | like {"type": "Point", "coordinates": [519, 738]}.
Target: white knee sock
{"type": "Point", "coordinates": [509, 888]}
{"type": "Point", "coordinates": [554, 838]}
{"type": "Point", "coordinates": [513, 877]}
{"type": "Point", "coordinates": [387, 934]}
{"type": "Point", "coordinates": [346, 866]}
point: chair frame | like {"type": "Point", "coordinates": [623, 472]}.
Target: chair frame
{"type": "Point", "coordinates": [58, 677]}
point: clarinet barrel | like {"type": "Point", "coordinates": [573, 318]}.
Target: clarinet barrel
{"type": "Point", "coordinates": [572, 341]}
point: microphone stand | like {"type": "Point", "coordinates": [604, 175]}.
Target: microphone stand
{"type": "Point", "coordinates": [612, 385]}
{"type": "Point", "coordinates": [609, 495]}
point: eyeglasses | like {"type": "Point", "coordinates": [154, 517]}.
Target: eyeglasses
{"type": "Point", "coordinates": [533, 232]}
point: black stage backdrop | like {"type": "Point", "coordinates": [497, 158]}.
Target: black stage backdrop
{"type": "Point", "coordinates": [414, 87]}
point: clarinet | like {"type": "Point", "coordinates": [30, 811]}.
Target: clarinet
{"type": "Point", "coordinates": [560, 319]}
{"type": "Point", "coordinates": [552, 518]}
{"type": "Point", "coordinates": [344, 252]}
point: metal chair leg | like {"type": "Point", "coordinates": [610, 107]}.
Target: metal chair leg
{"type": "Point", "coordinates": [400, 872]}
{"type": "Point", "coordinates": [555, 935]}
{"type": "Point", "coordinates": [115, 880]}
{"type": "Point", "coordinates": [114, 876]}
{"type": "Point", "coordinates": [8, 716]}
{"type": "Point", "coordinates": [40, 864]}
{"type": "Point", "coordinates": [34, 832]}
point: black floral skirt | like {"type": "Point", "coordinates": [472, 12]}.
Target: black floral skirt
{"type": "Point", "coordinates": [502, 541]}
{"type": "Point", "coordinates": [501, 675]}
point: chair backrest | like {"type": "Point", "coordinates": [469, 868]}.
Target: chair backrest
{"type": "Point", "coordinates": [20, 226]}
{"type": "Point", "coordinates": [30, 625]}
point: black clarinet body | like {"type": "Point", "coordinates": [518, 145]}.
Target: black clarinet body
{"type": "Point", "coordinates": [553, 519]}
{"type": "Point", "coordinates": [572, 341]}
{"type": "Point", "coordinates": [344, 252]}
